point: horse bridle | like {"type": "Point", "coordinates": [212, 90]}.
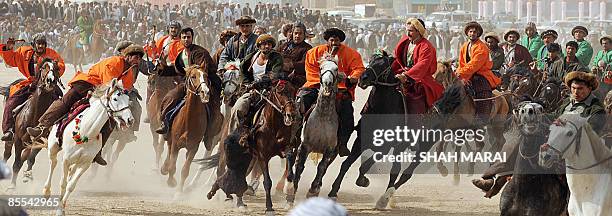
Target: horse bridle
{"type": "Point", "coordinates": [383, 74]}
{"type": "Point", "coordinates": [109, 108]}
{"type": "Point", "coordinates": [280, 109]}
{"type": "Point", "coordinates": [189, 83]}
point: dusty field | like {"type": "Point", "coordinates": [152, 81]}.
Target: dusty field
{"type": "Point", "coordinates": [135, 189]}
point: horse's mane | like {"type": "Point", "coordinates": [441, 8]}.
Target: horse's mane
{"type": "Point", "coordinates": [100, 91]}
{"type": "Point", "coordinates": [451, 99]}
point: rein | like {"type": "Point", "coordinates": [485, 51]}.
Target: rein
{"type": "Point", "coordinates": [268, 101]}
{"type": "Point", "coordinates": [494, 97]}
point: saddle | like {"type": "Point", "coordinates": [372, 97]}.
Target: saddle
{"type": "Point", "coordinates": [75, 111]}
{"type": "Point", "coordinates": [171, 114]}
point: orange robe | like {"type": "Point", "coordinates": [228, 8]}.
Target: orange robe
{"type": "Point", "coordinates": [105, 71]}
{"type": "Point", "coordinates": [349, 63]}
{"type": "Point", "coordinates": [21, 57]}
{"type": "Point", "coordinates": [174, 48]}
{"type": "Point", "coordinates": [480, 63]}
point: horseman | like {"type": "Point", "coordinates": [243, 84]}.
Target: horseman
{"type": "Point", "coordinates": [497, 53]}
{"type": "Point", "coordinates": [475, 70]}
{"type": "Point", "coordinates": [27, 59]}
{"type": "Point", "coordinates": [581, 102]}
{"type": "Point", "coordinates": [241, 45]}
{"type": "Point", "coordinates": [168, 46]}
{"type": "Point", "coordinates": [192, 55]}
{"type": "Point", "coordinates": [225, 36]}
{"type": "Point", "coordinates": [135, 106]}
{"type": "Point", "coordinates": [532, 40]}
{"type": "Point", "coordinates": [585, 51]}
{"type": "Point", "coordinates": [557, 67]}
{"type": "Point", "coordinates": [101, 73]}
{"type": "Point", "coordinates": [602, 63]}
{"type": "Point", "coordinates": [414, 67]}
{"type": "Point", "coordinates": [350, 64]}
{"type": "Point", "coordinates": [86, 24]}
{"type": "Point", "coordinates": [548, 36]}
{"type": "Point", "coordinates": [294, 54]}
{"type": "Point", "coordinates": [259, 70]}
{"type": "Point", "coordinates": [515, 55]}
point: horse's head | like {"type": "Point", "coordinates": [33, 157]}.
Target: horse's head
{"type": "Point", "coordinates": [117, 103]}
{"type": "Point", "coordinates": [522, 81]}
{"type": "Point", "coordinates": [48, 74]}
{"type": "Point", "coordinates": [378, 70]}
{"type": "Point", "coordinates": [197, 82]}
{"type": "Point", "coordinates": [444, 73]}
{"type": "Point", "coordinates": [565, 132]}
{"type": "Point", "coordinates": [230, 78]}
{"type": "Point", "coordinates": [550, 95]}
{"type": "Point", "coordinates": [329, 74]}
{"type": "Point", "coordinates": [284, 92]}
{"type": "Point", "coordinates": [529, 117]}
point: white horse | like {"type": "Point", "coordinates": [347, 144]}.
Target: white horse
{"type": "Point", "coordinates": [106, 103]}
{"type": "Point", "coordinates": [588, 161]}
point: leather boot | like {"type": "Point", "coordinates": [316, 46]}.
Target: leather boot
{"type": "Point", "coordinates": [7, 136]}
{"type": "Point", "coordinates": [483, 184]}
{"type": "Point", "coordinates": [163, 129]}
{"type": "Point", "coordinates": [99, 160]}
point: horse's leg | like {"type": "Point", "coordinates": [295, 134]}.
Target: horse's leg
{"type": "Point", "coordinates": [53, 150]}
{"type": "Point", "coordinates": [362, 180]}
{"type": "Point", "coordinates": [120, 146]}
{"type": "Point", "coordinates": [171, 165]}
{"type": "Point", "coordinates": [65, 177]}
{"type": "Point", "coordinates": [158, 146]}
{"type": "Point", "coordinates": [456, 175]}
{"type": "Point", "coordinates": [280, 186]}
{"type": "Point", "coordinates": [346, 165]}
{"type": "Point", "coordinates": [440, 146]}
{"type": "Point", "coordinates": [302, 155]}
{"type": "Point", "coordinates": [479, 147]}
{"type": "Point", "coordinates": [328, 157]}
{"type": "Point", "coordinates": [255, 171]}
{"type": "Point", "coordinates": [194, 181]}
{"type": "Point", "coordinates": [185, 171]}
{"type": "Point", "coordinates": [8, 148]}
{"type": "Point", "coordinates": [27, 175]}
{"type": "Point", "coordinates": [263, 165]}
{"type": "Point", "coordinates": [17, 164]}
{"type": "Point", "coordinates": [164, 169]}
{"type": "Point", "coordinates": [76, 173]}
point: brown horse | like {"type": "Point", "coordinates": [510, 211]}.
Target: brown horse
{"type": "Point", "coordinates": [158, 86]}
{"type": "Point", "coordinates": [189, 127]}
{"type": "Point", "coordinates": [76, 55]}
{"type": "Point", "coordinates": [273, 133]}
{"type": "Point", "coordinates": [46, 91]}
{"type": "Point", "coordinates": [465, 110]}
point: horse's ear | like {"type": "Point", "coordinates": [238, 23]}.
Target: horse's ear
{"type": "Point", "coordinates": [113, 83]}
{"type": "Point", "coordinates": [336, 58]}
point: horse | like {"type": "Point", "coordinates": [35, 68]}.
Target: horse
{"type": "Point", "coordinates": [74, 54]}
{"type": "Point", "coordinates": [524, 82]}
{"type": "Point", "coordinates": [158, 86]}
{"type": "Point", "coordinates": [533, 190]}
{"type": "Point", "coordinates": [551, 95]}
{"type": "Point", "coordinates": [319, 130]}
{"type": "Point", "coordinates": [46, 91]}
{"type": "Point", "coordinates": [588, 161]}
{"type": "Point", "coordinates": [97, 46]}
{"type": "Point", "coordinates": [230, 86]}
{"type": "Point", "coordinates": [82, 138]}
{"type": "Point", "coordinates": [461, 105]}
{"type": "Point", "coordinates": [384, 98]}
{"type": "Point", "coordinates": [189, 126]}
{"type": "Point", "coordinates": [272, 136]}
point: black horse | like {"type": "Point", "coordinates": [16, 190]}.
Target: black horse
{"type": "Point", "coordinates": [385, 98]}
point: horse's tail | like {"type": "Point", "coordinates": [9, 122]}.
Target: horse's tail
{"type": "Point", "coordinates": [208, 162]}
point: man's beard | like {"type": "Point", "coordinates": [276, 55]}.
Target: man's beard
{"type": "Point", "coordinates": [266, 52]}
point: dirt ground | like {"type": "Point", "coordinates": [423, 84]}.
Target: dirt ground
{"type": "Point", "coordinates": [133, 188]}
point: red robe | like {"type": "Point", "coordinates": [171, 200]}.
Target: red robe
{"type": "Point", "coordinates": [425, 65]}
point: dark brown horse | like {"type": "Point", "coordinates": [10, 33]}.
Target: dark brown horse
{"type": "Point", "coordinates": [272, 137]}
{"type": "Point", "coordinates": [189, 126]}
{"type": "Point", "coordinates": [46, 91]}
{"type": "Point", "coordinates": [159, 86]}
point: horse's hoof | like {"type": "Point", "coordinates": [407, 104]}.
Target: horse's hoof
{"type": "Point", "coordinates": [384, 199]}
{"type": "Point", "coordinates": [27, 176]}
{"type": "Point", "coordinates": [242, 207]}
{"type": "Point", "coordinates": [59, 212]}
{"type": "Point", "coordinates": [270, 213]}
{"type": "Point", "coordinates": [335, 199]}
{"type": "Point", "coordinates": [362, 181]}
{"type": "Point", "coordinates": [290, 198]}
{"type": "Point", "coordinates": [313, 192]}
{"type": "Point", "coordinates": [171, 182]}
{"type": "Point", "coordinates": [47, 193]}
{"type": "Point", "coordinates": [443, 171]}
{"type": "Point", "coordinates": [249, 191]}
{"type": "Point", "coordinates": [392, 202]}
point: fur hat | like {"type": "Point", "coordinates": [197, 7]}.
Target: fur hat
{"type": "Point", "coordinates": [492, 35]}
{"type": "Point", "coordinates": [605, 37]}
{"type": "Point", "coordinates": [122, 45]}
{"type": "Point", "coordinates": [589, 78]}
{"type": "Point", "coordinates": [512, 31]}
{"type": "Point", "coordinates": [531, 25]}
{"type": "Point", "coordinates": [580, 28]}
{"type": "Point", "coordinates": [133, 49]}
{"type": "Point", "coordinates": [334, 32]}
{"type": "Point", "coordinates": [473, 24]}
{"type": "Point", "coordinates": [265, 38]}
{"type": "Point", "coordinates": [226, 35]}
{"type": "Point", "coordinates": [244, 20]}
{"type": "Point", "coordinates": [549, 32]}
